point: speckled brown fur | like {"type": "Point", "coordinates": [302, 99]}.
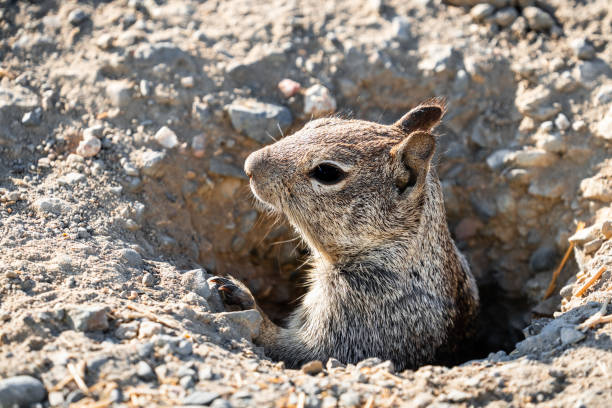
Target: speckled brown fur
{"type": "Point", "coordinates": [387, 280]}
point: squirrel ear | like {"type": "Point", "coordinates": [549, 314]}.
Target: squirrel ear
{"type": "Point", "coordinates": [413, 154]}
{"type": "Point", "coordinates": [423, 117]}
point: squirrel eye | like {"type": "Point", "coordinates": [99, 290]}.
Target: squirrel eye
{"type": "Point", "coordinates": [327, 173]}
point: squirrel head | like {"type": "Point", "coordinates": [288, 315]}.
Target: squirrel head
{"type": "Point", "coordinates": [349, 186]}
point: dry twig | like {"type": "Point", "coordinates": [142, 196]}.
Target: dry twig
{"type": "Point", "coordinates": [597, 318]}
{"type": "Point", "coordinates": [301, 400]}
{"type": "Point", "coordinates": [78, 372]}
{"type": "Point", "coordinates": [553, 280]}
{"type": "Point", "coordinates": [590, 282]}
{"type": "Point", "coordinates": [153, 317]}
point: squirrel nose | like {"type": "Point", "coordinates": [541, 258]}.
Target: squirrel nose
{"type": "Point", "coordinates": [255, 161]}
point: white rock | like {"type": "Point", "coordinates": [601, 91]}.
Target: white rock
{"type": "Point", "coordinates": [89, 146]}
{"type": "Point", "coordinates": [166, 137]}
{"type": "Point", "coordinates": [533, 158]}
{"type": "Point", "coordinates": [596, 188]}
{"type": "Point", "coordinates": [119, 93]}
{"type": "Point", "coordinates": [70, 179]}
{"type": "Point", "coordinates": [318, 101]}
{"type": "Point", "coordinates": [547, 126]}
{"type": "Point", "coordinates": [537, 103]}
{"type": "Point", "coordinates": [579, 126]}
{"type": "Point", "coordinates": [288, 87]}
{"type": "Point", "coordinates": [585, 235]}
{"type": "Point", "coordinates": [149, 329]}
{"type": "Point", "coordinates": [496, 160]}
{"type": "Point", "coordinates": [51, 205]}
{"type": "Point", "coordinates": [562, 122]}
{"type": "Point", "coordinates": [187, 82]}
{"type": "Point", "coordinates": [604, 127]}
{"type": "Point", "coordinates": [550, 142]}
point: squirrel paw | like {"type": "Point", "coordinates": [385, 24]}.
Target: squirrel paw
{"type": "Point", "coordinates": [233, 292]}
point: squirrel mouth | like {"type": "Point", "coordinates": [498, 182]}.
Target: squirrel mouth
{"type": "Point", "coordinates": [266, 204]}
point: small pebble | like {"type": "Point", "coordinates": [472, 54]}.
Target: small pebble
{"type": "Point", "coordinates": [105, 41]}
{"type": "Point", "coordinates": [187, 382]}
{"type": "Point", "coordinates": [75, 396]}
{"type": "Point", "coordinates": [132, 257]}
{"type": "Point", "coordinates": [198, 145]}
{"type": "Point", "coordinates": [288, 87]}
{"type": "Point", "coordinates": [184, 348]}
{"type": "Point", "coordinates": [166, 137]}
{"type": "Point", "coordinates": [312, 367]}
{"type": "Point", "coordinates": [119, 93]}
{"type": "Point", "coordinates": [481, 11]}
{"type": "Point", "coordinates": [77, 16]}
{"type": "Point", "coordinates": [22, 390]}
{"type": "Point", "coordinates": [592, 246]}
{"type": "Point", "coordinates": [318, 101]}
{"type": "Point", "coordinates": [562, 122]}
{"type": "Point", "coordinates": [148, 280]}
{"type": "Point", "coordinates": [505, 16]}
{"type": "Point", "coordinates": [579, 126]}
{"type": "Point", "coordinates": [32, 118]}
{"type": "Point", "coordinates": [583, 49]}
{"type": "Point", "coordinates": [538, 19]}
{"type": "Point", "coordinates": [200, 398]}
{"type": "Point", "coordinates": [56, 398]}
{"type": "Point", "coordinates": [187, 82]}
{"type": "Point", "coordinates": [144, 371]}
{"type": "Point", "coordinates": [89, 147]}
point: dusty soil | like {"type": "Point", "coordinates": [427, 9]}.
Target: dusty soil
{"type": "Point", "coordinates": [110, 224]}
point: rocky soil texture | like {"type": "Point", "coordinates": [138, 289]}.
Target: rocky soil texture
{"type": "Point", "coordinates": [123, 129]}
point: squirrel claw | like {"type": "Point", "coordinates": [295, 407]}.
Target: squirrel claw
{"type": "Point", "coordinates": [233, 292]}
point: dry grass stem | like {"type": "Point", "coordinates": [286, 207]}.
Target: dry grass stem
{"type": "Point", "coordinates": [551, 286]}
{"type": "Point", "coordinates": [590, 282]}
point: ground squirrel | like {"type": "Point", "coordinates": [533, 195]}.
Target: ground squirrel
{"type": "Point", "coordinates": [387, 280]}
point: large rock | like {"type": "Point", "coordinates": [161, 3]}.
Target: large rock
{"type": "Point", "coordinates": [52, 205]}
{"type": "Point", "coordinates": [532, 158]}
{"type": "Point", "coordinates": [246, 322]}
{"type": "Point", "coordinates": [17, 98]}
{"type": "Point", "coordinates": [21, 391]}
{"type": "Point", "coordinates": [597, 188]}
{"type": "Point", "coordinates": [195, 280]}
{"type": "Point", "coordinates": [536, 103]}
{"type": "Point", "coordinates": [88, 318]}
{"type": "Point", "coordinates": [260, 121]}
{"type": "Point", "coordinates": [604, 127]}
